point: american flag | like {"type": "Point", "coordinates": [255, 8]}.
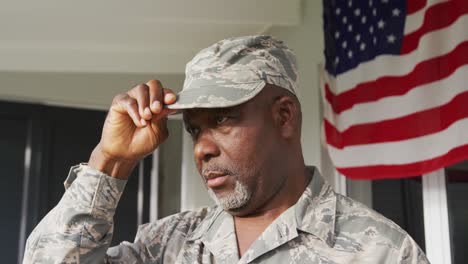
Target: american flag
{"type": "Point", "coordinates": [395, 86]}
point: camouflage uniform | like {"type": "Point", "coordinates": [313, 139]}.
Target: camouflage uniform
{"type": "Point", "coordinates": [322, 227]}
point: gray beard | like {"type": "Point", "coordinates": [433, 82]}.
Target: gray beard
{"type": "Point", "coordinates": [236, 199]}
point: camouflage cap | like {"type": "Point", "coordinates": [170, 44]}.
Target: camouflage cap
{"type": "Point", "coordinates": [232, 71]}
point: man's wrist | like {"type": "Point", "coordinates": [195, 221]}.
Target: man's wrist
{"type": "Point", "coordinates": [117, 168]}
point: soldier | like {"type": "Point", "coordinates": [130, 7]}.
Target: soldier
{"type": "Point", "coordinates": [240, 106]}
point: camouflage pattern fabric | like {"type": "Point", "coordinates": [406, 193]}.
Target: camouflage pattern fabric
{"type": "Point", "coordinates": [234, 70]}
{"type": "Point", "coordinates": [322, 227]}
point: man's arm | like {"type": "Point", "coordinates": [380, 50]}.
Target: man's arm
{"type": "Point", "coordinates": [411, 253]}
{"type": "Point", "coordinates": [79, 229]}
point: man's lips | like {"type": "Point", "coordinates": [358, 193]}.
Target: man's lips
{"type": "Point", "coordinates": [215, 179]}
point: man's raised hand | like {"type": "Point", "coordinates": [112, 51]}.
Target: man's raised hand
{"type": "Point", "coordinates": [135, 126]}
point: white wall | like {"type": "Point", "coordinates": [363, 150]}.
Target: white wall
{"type": "Point", "coordinates": [83, 90]}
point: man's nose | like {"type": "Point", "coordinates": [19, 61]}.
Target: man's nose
{"type": "Point", "coordinates": [205, 147]}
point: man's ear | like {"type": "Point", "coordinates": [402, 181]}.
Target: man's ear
{"type": "Point", "coordinates": [285, 112]}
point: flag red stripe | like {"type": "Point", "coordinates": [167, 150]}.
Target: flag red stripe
{"type": "Point", "coordinates": [412, 6]}
{"type": "Point", "coordinates": [436, 17]}
{"type": "Point", "coordinates": [410, 126]}
{"type": "Point", "coordinates": [425, 72]}
{"type": "Point", "coordinates": [406, 170]}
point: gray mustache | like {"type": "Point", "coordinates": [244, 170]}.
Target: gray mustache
{"type": "Point", "coordinates": [212, 168]}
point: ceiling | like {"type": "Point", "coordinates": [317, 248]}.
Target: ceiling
{"type": "Point", "coordinates": [112, 36]}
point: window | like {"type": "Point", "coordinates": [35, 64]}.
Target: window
{"type": "Point", "coordinates": [39, 144]}
{"type": "Point", "coordinates": [457, 198]}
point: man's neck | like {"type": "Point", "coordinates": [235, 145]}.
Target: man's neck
{"type": "Point", "coordinates": [250, 227]}
{"type": "Point", "coordinates": [286, 196]}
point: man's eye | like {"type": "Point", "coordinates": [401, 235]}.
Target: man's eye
{"type": "Point", "coordinates": [221, 119]}
{"type": "Point", "coordinates": [192, 131]}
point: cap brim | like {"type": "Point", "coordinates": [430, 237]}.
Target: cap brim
{"type": "Point", "coordinates": [217, 96]}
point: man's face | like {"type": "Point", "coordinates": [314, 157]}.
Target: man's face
{"type": "Point", "coordinates": [236, 153]}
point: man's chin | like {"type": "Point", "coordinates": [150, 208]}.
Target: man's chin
{"type": "Point", "coordinates": [231, 201]}
{"type": "Point", "coordinates": [241, 211]}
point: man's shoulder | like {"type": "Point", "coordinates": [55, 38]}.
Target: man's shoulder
{"type": "Point", "coordinates": [359, 222]}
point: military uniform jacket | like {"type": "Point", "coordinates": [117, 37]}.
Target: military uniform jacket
{"type": "Point", "coordinates": [322, 227]}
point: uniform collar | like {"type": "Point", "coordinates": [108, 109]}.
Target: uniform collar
{"type": "Point", "coordinates": [313, 213]}
{"type": "Point", "coordinates": [316, 209]}
{"type": "Point", "coordinates": [206, 224]}
{"type": "Point", "coordinates": [218, 235]}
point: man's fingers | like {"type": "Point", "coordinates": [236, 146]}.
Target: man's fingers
{"type": "Point", "coordinates": [162, 115]}
{"type": "Point", "coordinates": [141, 93]}
{"type": "Point", "coordinates": [155, 96]}
{"type": "Point", "coordinates": [166, 111]}
{"type": "Point", "coordinates": [159, 96]}
{"type": "Point", "coordinates": [145, 103]}
{"type": "Point", "coordinates": [169, 96]}
{"type": "Point", "coordinates": [124, 104]}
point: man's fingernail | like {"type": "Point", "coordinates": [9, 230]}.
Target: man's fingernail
{"type": "Point", "coordinates": [169, 97]}
{"type": "Point", "coordinates": [147, 111]}
{"type": "Point", "coordinates": [157, 106]}
{"type": "Point", "coordinates": [143, 122]}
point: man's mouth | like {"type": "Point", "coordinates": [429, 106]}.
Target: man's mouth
{"type": "Point", "coordinates": [215, 179]}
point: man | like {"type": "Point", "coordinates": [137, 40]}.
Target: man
{"type": "Point", "coordinates": [239, 105]}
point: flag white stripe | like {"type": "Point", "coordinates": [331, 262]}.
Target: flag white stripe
{"type": "Point", "coordinates": [404, 151]}
{"type": "Point", "coordinates": [433, 44]}
{"type": "Point", "coordinates": [414, 21]}
{"type": "Point", "coordinates": [418, 99]}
